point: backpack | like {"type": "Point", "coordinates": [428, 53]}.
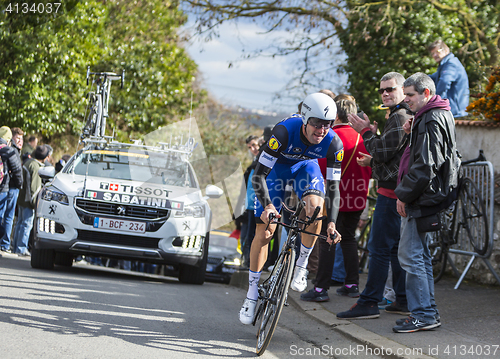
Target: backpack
{"type": "Point", "coordinates": [2, 170]}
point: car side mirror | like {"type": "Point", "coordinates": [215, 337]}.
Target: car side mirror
{"type": "Point", "coordinates": [47, 173]}
{"type": "Point", "coordinates": [212, 191]}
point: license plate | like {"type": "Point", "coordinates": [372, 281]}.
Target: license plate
{"type": "Point", "coordinates": [120, 225]}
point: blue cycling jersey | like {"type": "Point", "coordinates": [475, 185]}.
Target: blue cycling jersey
{"type": "Point", "coordinates": [289, 156]}
{"type": "Point", "coordinates": [288, 145]}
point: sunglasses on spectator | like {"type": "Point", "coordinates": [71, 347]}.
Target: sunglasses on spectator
{"type": "Point", "coordinates": [319, 123]}
{"type": "Point", "coordinates": [388, 89]}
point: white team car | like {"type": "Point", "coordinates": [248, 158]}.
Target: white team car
{"type": "Point", "coordinates": [125, 201]}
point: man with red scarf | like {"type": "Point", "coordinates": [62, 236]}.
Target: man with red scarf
{"type": "Point", "coordinates": [431, 173]}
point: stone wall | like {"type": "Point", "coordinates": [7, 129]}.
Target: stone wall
{"type": "Point", "coordinates": [475, 135]}
{"type": "Point", "coordinates": [471, 137]}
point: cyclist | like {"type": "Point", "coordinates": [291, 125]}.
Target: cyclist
{"type": "Point", "coordinates": [290, 157]}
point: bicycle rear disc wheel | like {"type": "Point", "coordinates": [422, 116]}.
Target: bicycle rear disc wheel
{"type": "Point", "coordinates": [475, 221]}
{"type": "Point", "coordinates": [277, 294]}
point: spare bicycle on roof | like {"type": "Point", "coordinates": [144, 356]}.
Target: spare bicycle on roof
{"type": "Point", "coordinates": [96, 113]}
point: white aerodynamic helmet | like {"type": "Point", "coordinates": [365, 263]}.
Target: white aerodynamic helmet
{"type": "Point", "coordinates": [318, 105]}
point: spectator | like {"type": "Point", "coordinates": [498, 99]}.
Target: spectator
{"type": "Point", "coordinates": [389, 293]}
{"type": "Point", "coordinates": [328, 92]}
{"type": "Point", "coordinates": [450, 78]}
{"type": "Point", "coordinates": [248, 231]}
{"type": "Point", "coordinates": [13, 193]}
{"type": "Point", "coordinates": [28, 148]}
{"type": "Point", "coordinates": [12, 177]}
{"type": "Point", "coordinates": [27, 199]}
{"type": "Point", "coordinates": [428, 182]}
{"type": "Point", "coordinates": [385, 153]}
{"type": "Point", "coordinates": [338, 273]}
{"type": "Point", "coordinates": [48, 160]}
{"type": "Point", "coordinates": [354, 184]}
{"type": "Point", "coordinates": [61, 163]}
{"type": "Point", "coordinates": [253, 146]}
{"type": "Point", "coordinates": [426, 188]}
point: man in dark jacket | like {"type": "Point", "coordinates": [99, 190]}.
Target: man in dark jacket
{"type": "Point", "coordinates": [13, 174]}
{"type": "Point", "coordinates": [432, 174]}
{"type": "Point", "coordinates": [13, 193]}
{"type": "Point", "coordinates": [385, 153]}
{"type": "Point", "coordinates": [450, 78]}
{"type": "Point", "coordinates": [27, 200]}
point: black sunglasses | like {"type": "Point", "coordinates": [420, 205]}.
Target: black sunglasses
{"type": "Point", "coordinates": [319, 123]}
{"type": "Point", "coordinates": [388, 89]}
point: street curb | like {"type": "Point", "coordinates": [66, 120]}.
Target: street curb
{"type": "Point", "coordinates": [345, 327]}
{"type": "Point", "coordinates": [352, 330]}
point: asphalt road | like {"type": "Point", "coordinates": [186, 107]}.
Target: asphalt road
{"type": "Point", "coordinates": [95, 312]}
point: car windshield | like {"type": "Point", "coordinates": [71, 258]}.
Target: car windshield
{"type": "Point", "coordinates": [126, 164]}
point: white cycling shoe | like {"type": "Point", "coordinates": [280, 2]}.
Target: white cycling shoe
{"type": "Point", "coordinates": [299, 281]}
{"type": "Point", "coordinates": [247, 311]}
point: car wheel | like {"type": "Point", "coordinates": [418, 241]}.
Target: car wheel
{"type": "Point", "coordinates": [63, 259]}
{"type": "Point", "coordinates": [42, 258]}
{"type": "Point", "coordinates": [192, 274]}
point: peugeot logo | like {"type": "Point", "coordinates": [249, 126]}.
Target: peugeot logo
{"type": "Point", "coordinates": [121, 210]}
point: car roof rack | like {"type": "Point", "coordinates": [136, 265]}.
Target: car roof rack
{"type": "Point", "coordinates": [184, 150]}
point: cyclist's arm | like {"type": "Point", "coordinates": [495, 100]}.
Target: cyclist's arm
{"type": "Point", "coordinates": [333, 173]}
{"type": "Point", "coordinates": [266, 161]}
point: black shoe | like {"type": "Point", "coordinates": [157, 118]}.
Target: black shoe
{"type": "Point", "coordinates": [411, 325]}
{"type": "Point", "coordinates": [402, 320]}
{"type": "Point", "coordinates": [314, 296]}
{"type": "Point", "coordinates": [360, 311]}
{"type": "Point", "coordinates": [396, 308]}
{"type": "Point", "coordinates": [352, 292]}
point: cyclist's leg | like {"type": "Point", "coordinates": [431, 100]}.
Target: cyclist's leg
{"type": "Point", "coordinates": [312, 201]}
{"type": "Point", "coordinates": [258, 256]}
{"type": "Point", "coordinates": [258, 249]}
{"type": "Point", "coordinates": [310, 187]}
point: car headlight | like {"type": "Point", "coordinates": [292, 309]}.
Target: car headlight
{"type": "Point", "coordinates": [53, 194]}
{"type": "Point", "coordinates": [196, 210]}
{"type": "Point", "coordinates": [232, 261]}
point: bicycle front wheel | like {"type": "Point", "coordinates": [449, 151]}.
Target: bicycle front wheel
{"type": "Point", "coordinates": [276, 296]}
{"type": "Point", "coordinates": [474, 219]}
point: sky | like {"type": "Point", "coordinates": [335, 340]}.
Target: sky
{"type": "Point", "coordinates": [252, 83]}
{"type": "Point", "coordinates": [248, 83]}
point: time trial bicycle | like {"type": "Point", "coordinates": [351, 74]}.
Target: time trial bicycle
{"type": "Point", "coordinates": [96, 113]}
{"type": "Point", "coordinates": [273, 291]}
